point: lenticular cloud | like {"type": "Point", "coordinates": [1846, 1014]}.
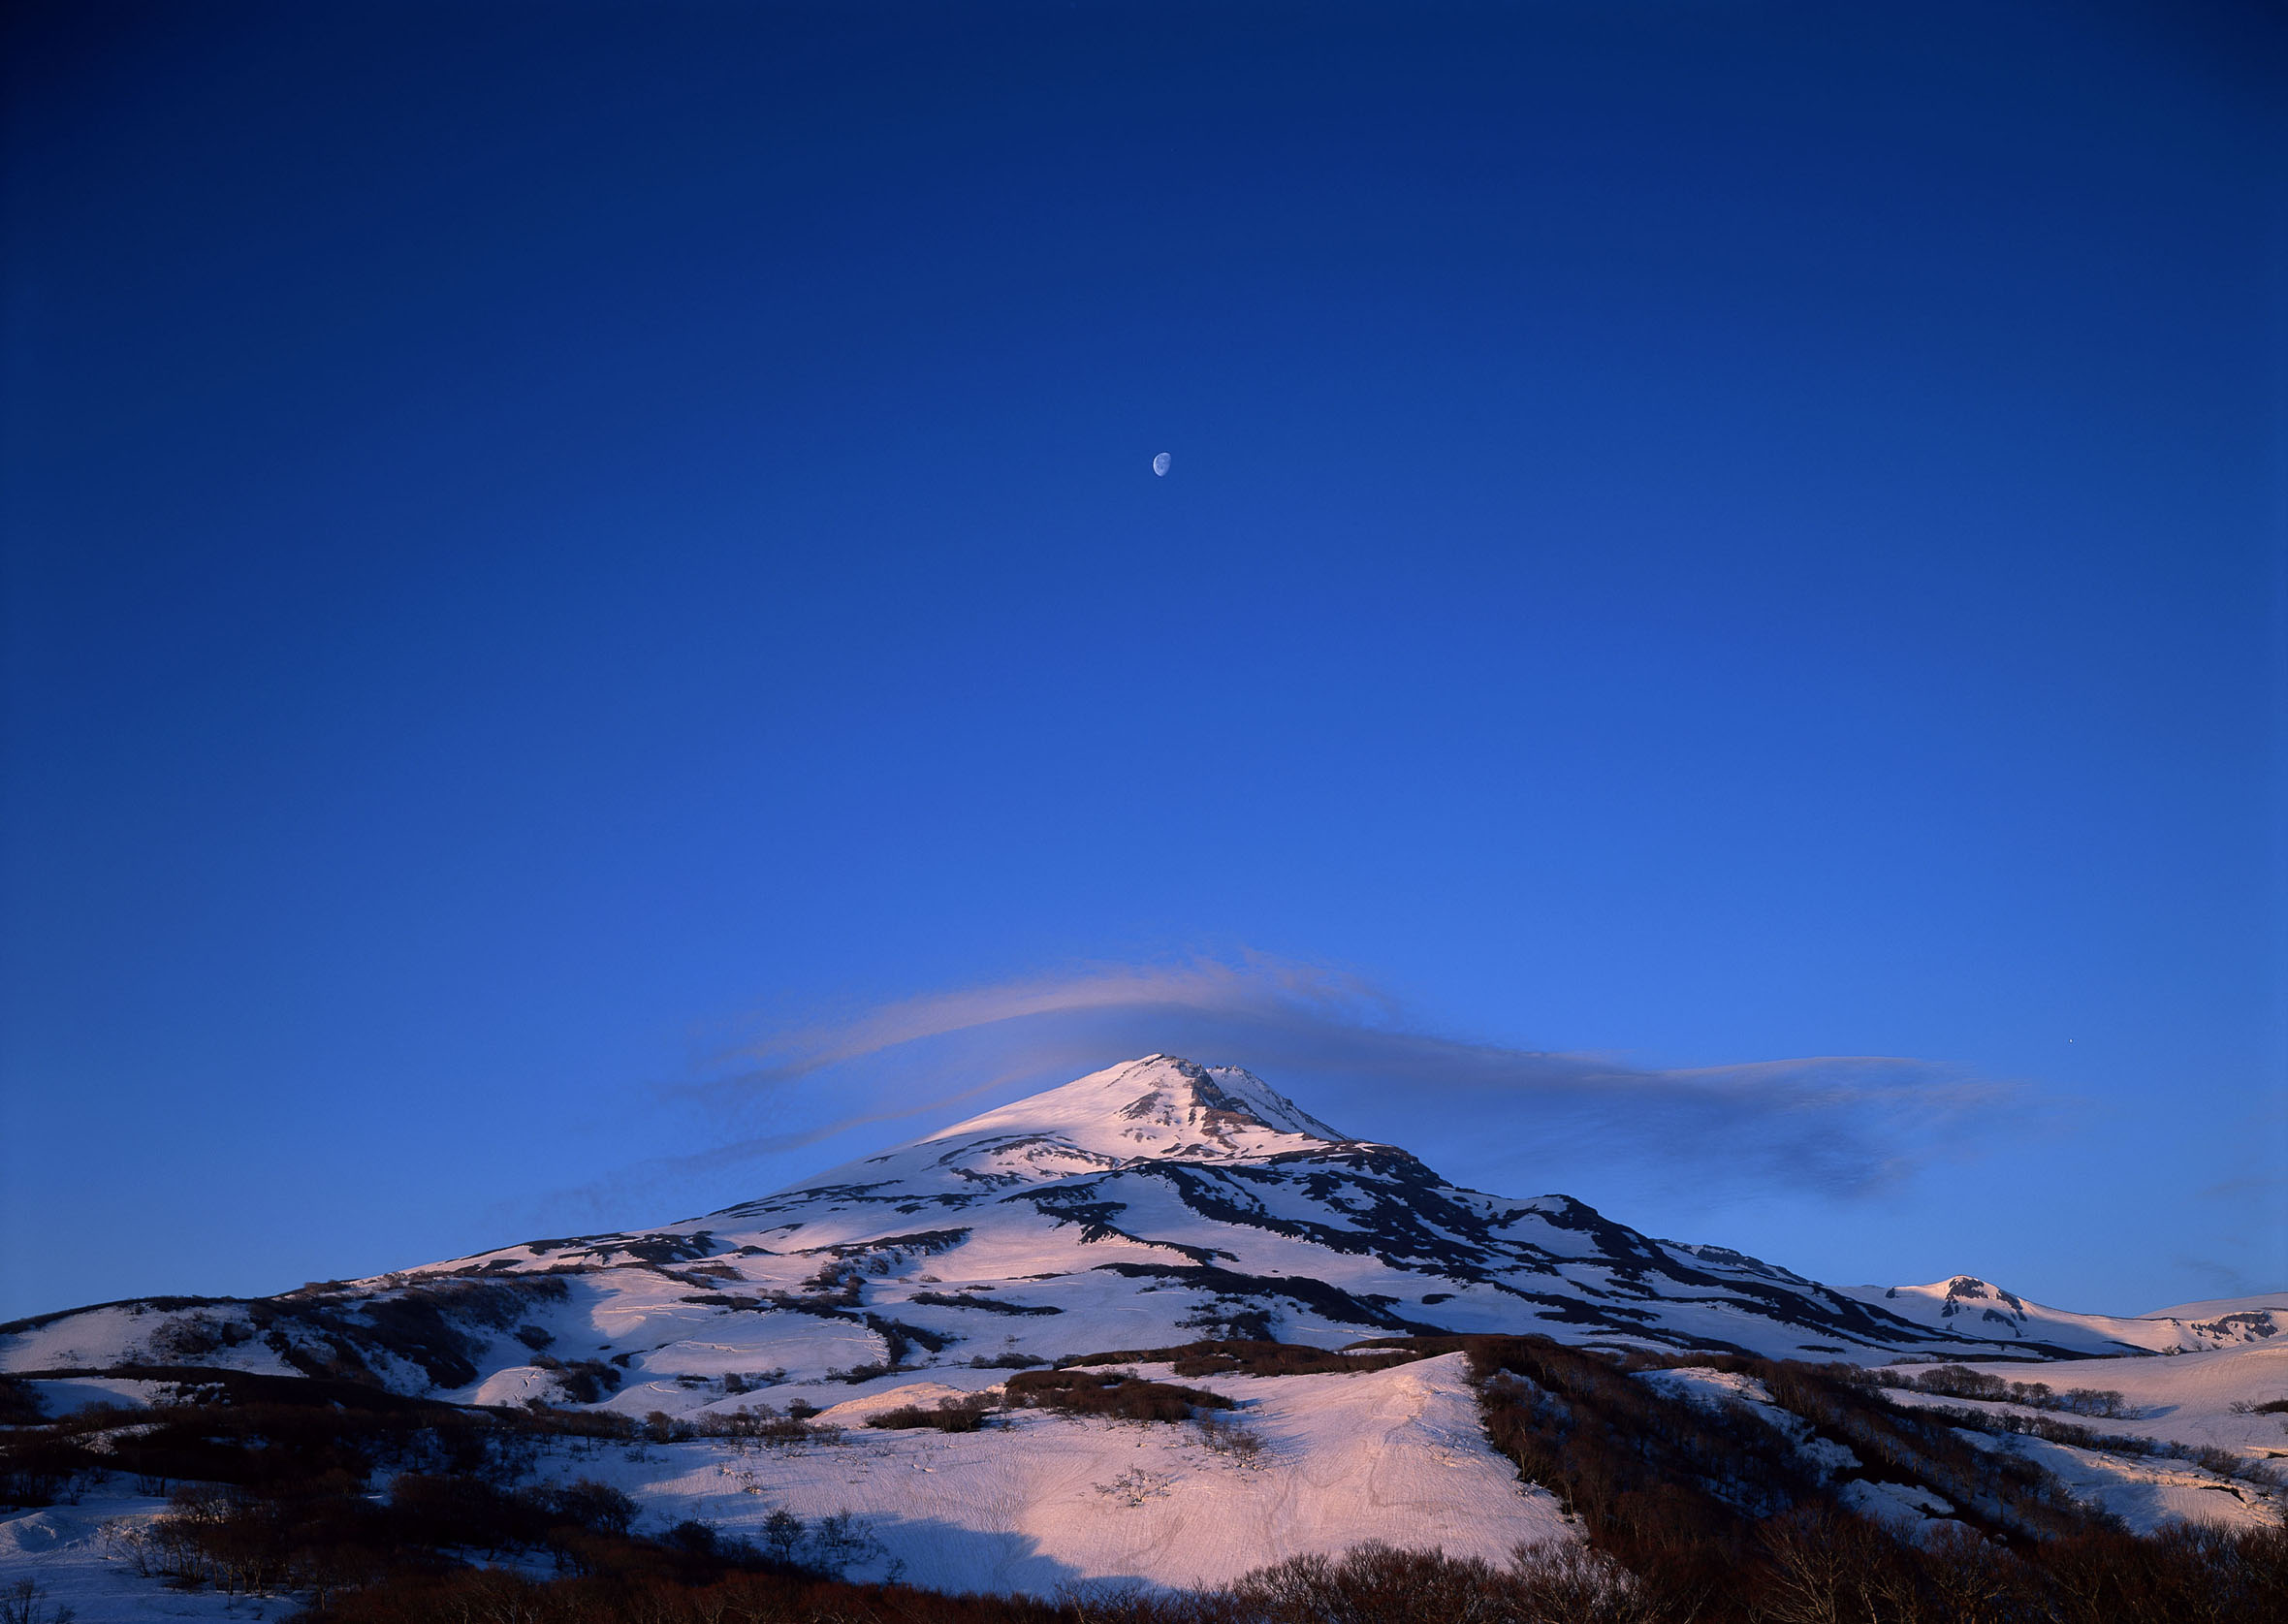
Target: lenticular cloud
{"type": "Point", "coordinates": [1840, 1126]}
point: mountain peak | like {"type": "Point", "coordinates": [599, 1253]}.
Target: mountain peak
{"type": "Point", "coordinates": [1160, 1108]}
{"type": "Point", "coordinates": [1161, 1105]}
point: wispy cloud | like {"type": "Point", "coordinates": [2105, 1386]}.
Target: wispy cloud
{"type": "Point", "coordinates": [1251, 987]}
{"type": "Point", "coordinates": [1837, 1126]}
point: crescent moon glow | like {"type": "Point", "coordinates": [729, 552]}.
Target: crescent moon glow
{"type": "Point", "coordinates": [1159, 464]}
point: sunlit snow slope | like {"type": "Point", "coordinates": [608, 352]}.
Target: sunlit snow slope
{"type": "Point", "coordinates": [1972, 1305]}
{"type": "Point", "coordinates": [1151, 1203]}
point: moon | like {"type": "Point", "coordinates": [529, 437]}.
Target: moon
{"type": "Point", "coordinates": [1159, 464]}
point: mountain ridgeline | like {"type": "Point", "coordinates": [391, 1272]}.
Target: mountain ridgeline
{"type": "Point", "coordinates": [1150, 1204]}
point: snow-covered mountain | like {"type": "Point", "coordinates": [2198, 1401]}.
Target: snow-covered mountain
{"type": "Point", "coordinates": [1152, 1204]}
{"type": "Point", "coordinates": [1970, 1304]}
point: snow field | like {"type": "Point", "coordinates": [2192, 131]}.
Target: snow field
{"type": "Point", "coordinates": [2183, 1398]}
{"type": "Point", "coordinates": [1038, 1503]}
{"type": "Point", "coordinates": [2144, 1492]}
{"type": "Point", "coordinates": [1045, 1501]}
{"type": "Point", "coordinates": [61, 1549]}
{"type": "Point", "coordinates": [1975, 1307]}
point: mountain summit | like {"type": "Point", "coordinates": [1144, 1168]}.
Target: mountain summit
{"type": "Point", "coordinates": [1152, 1204]}
{"type": "Point", "coordinates": [1157, 1109]}
{"type": "Point", "coordinates": [1161, 1105]}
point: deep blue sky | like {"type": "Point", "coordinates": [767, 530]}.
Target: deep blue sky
{"type": "Point", "coordinates": [543, 542]}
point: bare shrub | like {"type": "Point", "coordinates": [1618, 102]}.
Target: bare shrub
{"type": "Point", "coordinates": [582, 1381]}
{"type": "Point", "coordinates": [947, 1415]}
{"type": "Point", "coordinates": [1253, 1356]}
{"type": "Point", "coordinates": [857, 1373]}
{"type": "Point", "coordinates": [1233, 1440]}
{"type": "Point", "coordinates": [978, 1300]}
{"type": "Point", "coordinates": [1121, 1394]}
{"type": "Point", "coordinates": [843, 1541]}
{"type": "Point", "coordinates": [21, 1603]}
{"type": "Point", "coordinates": [761, 1424]}
{"type": "Point", "coordinates": [190, 1337]}
{"type": "Point", "coordinates": [1953, 1381]}
{"type": "Point", "coordinates": [1377, 1584]}
{"type": "Point", "coordinates": [1134, 1486]}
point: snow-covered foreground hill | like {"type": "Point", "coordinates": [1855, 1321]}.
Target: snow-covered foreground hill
{"type": "Point", "coordinates": [1144, 1206]}
{"type": "Point", "coordinates": [2206, 1408]}
{"type": "Point", "coordinates": [1046, 1500]}
{"type": "Point", "coordinates": [1039, 1503]}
